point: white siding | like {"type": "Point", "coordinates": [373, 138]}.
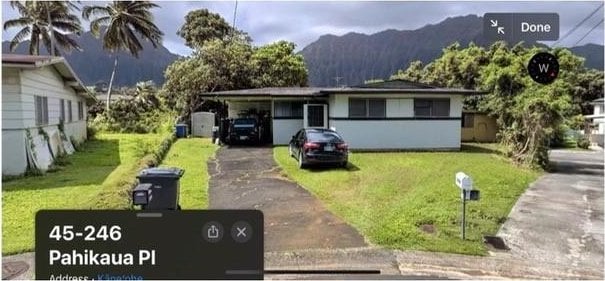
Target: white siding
{"type": "Point", "coordinates": [14, 161]}
{"type": "Point", "coordinates": [456, 103]}
{"type": "Point", "coordinates": [12, 114]}
{"type": "Point", "coordinates": [399, 134]}
{"type": "Point", "coordinates": [46, 82]}
{"type": "Point", "coordinates": [598, 109]}
{"type": "Point", "coordinates": [284, 129]}
{"type": "Point", "coordinates": [339, 106]}
{"type": "Point", "coordinates": [398, 105]}
{"type": "Point", "coordinates": [76, 130]}
{"type": "Point", "coordinates": [408, 133]}
{"type": "Point", "coordinates": [18, 111]}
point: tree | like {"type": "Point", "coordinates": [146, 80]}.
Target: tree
{"type": "Point", "coordinates": [224, 59]}
{"type": "Point", "coordinates": [413, 73]}
{"type": "Point", "coordinates": [201, 26]}
{"type": "Point", "coordinates": [218, 66]}
{"type": "Point", "coordinates": [38, 18]}
{"type": "Point", "coordinates": [276, 65]}
{"type": "Point", "coordinates": [528, 114]}
{"type": "Point", "coordinates": [125, 22]}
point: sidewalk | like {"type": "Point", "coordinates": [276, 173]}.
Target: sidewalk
{"type": "Point", "coordinates": [392, 264]}
{"type": "Point", "coordinates": [409, 264]}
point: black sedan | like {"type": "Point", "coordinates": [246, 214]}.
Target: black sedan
{"type": "Point", "coordinates": [318, 146]}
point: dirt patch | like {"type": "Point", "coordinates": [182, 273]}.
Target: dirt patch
{"type": "Point", "coordinates": [428, 228]}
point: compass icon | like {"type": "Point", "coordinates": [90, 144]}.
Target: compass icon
{"type": "Point", "coordinates": [543, 68]}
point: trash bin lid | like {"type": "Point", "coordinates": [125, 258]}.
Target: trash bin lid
{"type": "Point", "coordinates": [171, 172]}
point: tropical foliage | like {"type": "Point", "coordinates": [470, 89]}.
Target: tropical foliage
{"type": "Point", "coordinates": [529, 115]}
{"type": "Point", "coordinates": [38, 18]}
{"type": "Point", "coordinates": [223, 61]}
{"type": "Point", "coordinates": [123, 23]}
{"type": "Point", "coordinates": [139, 110]}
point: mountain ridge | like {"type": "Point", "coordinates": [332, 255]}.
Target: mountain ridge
{"type": "Point", "coordinates": [357, 57]}
{"type": "Point", "coordinates": [150, 65]}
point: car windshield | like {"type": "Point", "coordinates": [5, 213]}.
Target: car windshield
{"type": "Point", "coordinates": [323, 137]}
{"type": "Point", "coordinates": [247, 121]}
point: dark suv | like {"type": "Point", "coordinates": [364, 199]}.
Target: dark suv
{"type": "Point", "coordinates": [244, 130]}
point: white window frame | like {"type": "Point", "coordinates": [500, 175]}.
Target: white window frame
{"type": "Point", "coordinates": [306, 115]}
{"type": "Point", "coordinates": [41, 110]}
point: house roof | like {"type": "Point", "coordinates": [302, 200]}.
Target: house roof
{"type": "Point", "coordinates": [387, 87]}
{"type": "Point", "coordinates": [59, 64]}
{"type": "Point", "coordinates": [269, 92]}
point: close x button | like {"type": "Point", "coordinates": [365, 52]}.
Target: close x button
{"type": "Point", "coordinates": [241, 232]}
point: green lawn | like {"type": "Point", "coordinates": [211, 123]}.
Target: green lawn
{"type": "Point", "coordinates": [101, 165]}
{"type": "Point", "coordinates": [191, 155]}
{"type": "Point", "coordinates": [389, 197]}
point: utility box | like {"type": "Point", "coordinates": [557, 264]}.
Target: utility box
{"type": "Point", "coordinates": [162, 189]}
{"type": "Point", "coordinates": [181, 130]}
{"type": "Point", "coordinates": [202, 124]}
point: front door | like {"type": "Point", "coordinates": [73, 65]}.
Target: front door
{"type": "Point", "coordinates": [315, 115]}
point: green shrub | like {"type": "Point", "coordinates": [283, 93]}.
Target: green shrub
{"type": "Point", "coordinates": [150, 157]}
{"type": "Point", "coordinates": [583, 142]}
{"type": "Point", "coordinates": [91, 132]}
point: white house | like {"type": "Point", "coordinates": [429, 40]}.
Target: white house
{"type": "Point", "coordinates": [389, 115]}
{"type": "Point", "coordinates": [38, 92]}
{"type": "Point", "coordinates": [597, 119]}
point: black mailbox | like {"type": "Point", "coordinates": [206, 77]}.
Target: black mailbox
{"type": "Point", "coordinates": [141, 195]}
{"type": "Point", "coordinates": [474, 195]}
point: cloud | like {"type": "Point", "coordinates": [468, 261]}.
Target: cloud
{"type": "Point", "coordinates": [304, 22]}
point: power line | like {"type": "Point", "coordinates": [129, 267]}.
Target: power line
{"type": "Point", "coordinates": [593, 28]}
{"type": "Point", "coordinates": [234, 15]}
{"type": "Point", "coordinates": [578, 25]}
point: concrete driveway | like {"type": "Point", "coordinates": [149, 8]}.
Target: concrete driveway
{"type": "Point", "coordinates": [559, 219]}
{"type": "Point", "coordinates": [249, 178]}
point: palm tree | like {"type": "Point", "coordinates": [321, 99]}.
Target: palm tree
{"type": "Point", "coordinates": [37, 18]}
{"type": "Point", "coordinates": [124, 23]}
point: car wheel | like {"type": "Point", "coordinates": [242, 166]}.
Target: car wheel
{"type": "Point", "coordinates": [301, 163]}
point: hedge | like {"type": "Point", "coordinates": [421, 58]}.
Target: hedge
{"type": "Point", "coordinates": [117, 194]}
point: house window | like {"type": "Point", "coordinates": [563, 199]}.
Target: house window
{"type": "Point", "coordinates": [62, 110]}
{"type": "Point", "coordinates": [468, 120]}
{"type": "Point", "coordinates": [290, 109]}
{"type": "Point", "coordinates": [432, 107]}
{"type": "Point", "coordinates": [367, 108]}
{"type": "Point", "coordinates": [80, 110]}
{"type": "Point", "coordinates": [41, 107]}
{"type": "Point", "coordinates": [315, 115]}
{"type": "Point", "coordinates": [69, 113]}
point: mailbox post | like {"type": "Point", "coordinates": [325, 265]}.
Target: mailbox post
{"type": "Point", "coordinates": [465, 183]}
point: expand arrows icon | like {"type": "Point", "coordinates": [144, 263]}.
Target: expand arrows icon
{"type": "Point", "coordinates": [500, 29]}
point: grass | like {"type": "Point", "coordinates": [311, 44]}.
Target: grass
{"type": "Point", "coordinates": [100, 165]}
{"type": "Point", "coordinates": [388, 197]}
{"type": "Point", "coordinates": [191, 155]}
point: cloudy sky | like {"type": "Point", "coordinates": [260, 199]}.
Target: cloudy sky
{"type": "Point", "coordinates": [303, 22]}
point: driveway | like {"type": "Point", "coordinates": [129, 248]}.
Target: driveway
{"type": "Point", "coordinates": [249, 178]}
{"type": "Point", "coordinates": [559, 219]}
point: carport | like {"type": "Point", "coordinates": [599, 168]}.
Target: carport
{"type": "Point", "coordinates": [279, 111]}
